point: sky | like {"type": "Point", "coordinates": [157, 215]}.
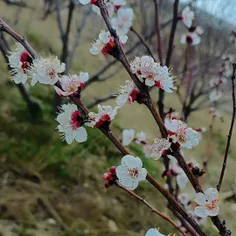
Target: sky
{"type": "Point", "coordinates": [224, 9]}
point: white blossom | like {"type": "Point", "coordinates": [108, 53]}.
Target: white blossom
{"type": "Point", "coordinates": [152, 73]}
{"type": "Point", "coordinates": [19, 61]}
{"type": "Point", "coordinates": [184, 199]}
{"type": "Point", "coordinates": [180, 133]}
{"type": "Point", "coordinates": [84, 2]}
{"type": "Point", "coordinates": [130, 172]}
{"type": "Point", "coordinates": [187, 16]}
{"type": "Point", "coordinates": [105, 114]}
{"type": "Point", "coordinates": [215, 95]}
{"type": "Point", "coordinates": [105, 43]}
{"type": "Point", "coordinates": [46, 70]}
{"type": "Point", "coordinates": [70, 84]}
{"type": "Point", "coordinates": [159, 147]}
{"type": "Point", "coordinates": [207, 203]}
{"type": "Point", "coordinates": [153, 232]}
{"type": "Point", "coordinates": [141, 138]}
{"type": "Point", "coordinates": [191, 38]}
{"type": "Point", "coordinates": [123, 21]}
{"type": "Point", "coordinates": [127, 93]}
{"type": "Point", "coordinates": [70, 124]}
{"type": "Point", "coordinates": [127, 136]}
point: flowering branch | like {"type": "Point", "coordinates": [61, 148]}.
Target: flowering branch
{"type": "Point", "coordinates": [151, 207]}
{"type": "Point", "coordinates": [174, 204]}
{"type": "Point", "coordinates": [230, 130]}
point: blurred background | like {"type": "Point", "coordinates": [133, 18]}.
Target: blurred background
{"type": "Point", "coordinates": [50, 188]}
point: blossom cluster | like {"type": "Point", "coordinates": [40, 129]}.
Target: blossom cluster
{"type": "Point", "coordinates": [152, 73]}
{"type": "Point", "coordinates": [121, 21]}
{"type": "Point", "coordinates": [192, 37]}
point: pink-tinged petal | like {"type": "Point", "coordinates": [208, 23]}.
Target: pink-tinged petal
{"type": "Point", "coordinates": [200, 199]}
{"type": "Point", "coordinates": [200, 211]}
{"type": "Point", "coordinates": [81, 135]}
{"type": "Point", "coordinates": [212, 194]}
{"type": "Point", "coordinates": [213, 212]}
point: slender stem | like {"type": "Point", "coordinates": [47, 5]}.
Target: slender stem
{"type": "Point", "coordinates": [176, 206]}
{"type": "Point", "coordinates": [230, 130]}
{"type": "Point", "coordinates": [158, 32]}
{"type": "Point", "coordinates": [143, 42]}
{"type": "Point", "coordinates": [152, 208]}
{"type": "Point", "coordinates": [157, 118]}
{"type": "Point", "coordinates": [4, 27]}
{"type": "Point", "coordinates": [169, 54]}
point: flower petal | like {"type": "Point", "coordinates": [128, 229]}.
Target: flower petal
{"type": "Point", "coordinates": [200, 211]}
{"type": "Point", "coordinates": [200, 198]}
{"type": "Point", "coordinates": [213, 212]}
{"type": "Point", "coordinates": [81, 135]}
{"type": "Point", "coordinates": [212, 194]}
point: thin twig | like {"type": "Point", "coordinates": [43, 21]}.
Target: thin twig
{"type": "Point", "coordinates": [80, 27]}
{"type": "Point", "coordinates": [152, 208]}
{"type": "Point", "coordinates": [59, 19]}
{"type": "Point", "coordinates": [230, 130]}
{"type": "Point", "coordinates": [101, 99]}
{"type": "Point", "coordinates": [169, 54]}
{"type": "Point", "coordinates": [143, 42]}
{"type": "Point", "coordinates": [4, 27]}
{"type": "Point", "coordinates": [158, 32]}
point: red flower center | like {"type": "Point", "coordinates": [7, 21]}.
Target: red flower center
{"type": "Point", "coordinates": [108, 48]}
{"type": "Point", "coordinates": [133, 172]}
{"type": "Point", "coordinates": [103, 119]}
{"type": "Point", "coordinates": [76, 120]}
{"type": "Point", "coordinates": [189, 39]}
{"type": "Point", "coordinates": [158, 84]}
{"type": "Point", "coordinates": [133, 96]}
{"type": "Point", "coordinates": [25, 59]}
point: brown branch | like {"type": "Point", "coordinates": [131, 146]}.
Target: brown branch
{"type": "Point", "coordinates": [102, 99]}
{"type": "Point", "coordinates": [230, 130]}
{"type": "Point", "coordinates": [59, 19]}
{"type": "Point", "coordinates": [80, 27]}
{"type": "Point", "coordinates": [173, 203]}
{"type": "Point", "coordinates": [5, 28]}
{"type": "Point", "coordinates": [168, 57]}
{"type": "Point", "coordinates": [158, 32]}
{"type": "Point", "coordinates": [151, 207]}
{"type": "Point", "coordinates": [143, 42]}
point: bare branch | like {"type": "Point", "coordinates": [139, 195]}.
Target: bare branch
{"type": "Point", "coordinates": [152, 208]}
{"type": "Point", "coordinates": [101, 99]}
{"type": "Point", "coordinates": [230, 130]}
